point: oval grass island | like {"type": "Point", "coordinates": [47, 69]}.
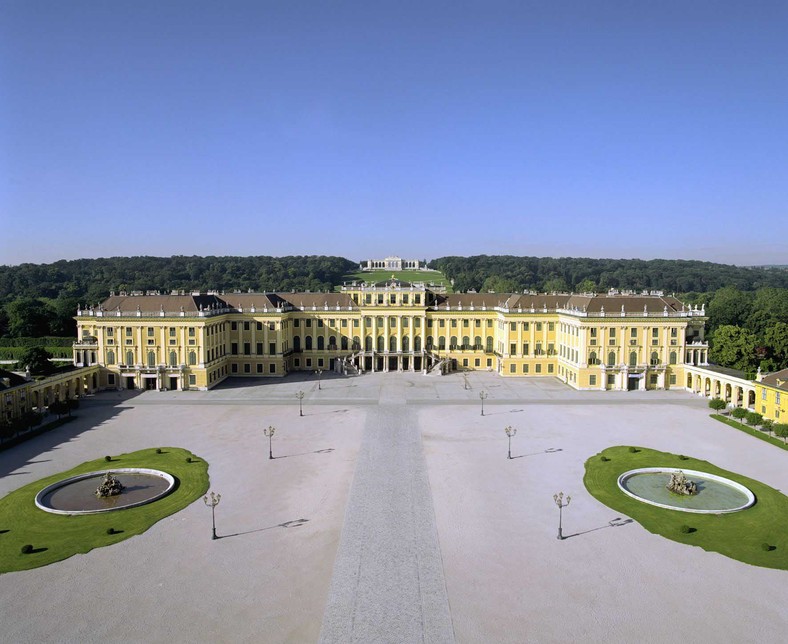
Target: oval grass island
{"type": "Point", "coordinates": [55, 537]}
{"type": "Point", "coordinates": [755, 535]}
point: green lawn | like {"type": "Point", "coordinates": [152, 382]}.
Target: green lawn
{"type": "Point", "coordinates": [435, 277]}
{"type": "Point", "coordinates": [732, 422]}
{"type": "Point", "coordinates": [739, 535]}
{"type": "Point", "coordinates": [56, 537]}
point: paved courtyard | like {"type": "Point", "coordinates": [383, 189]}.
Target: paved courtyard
{"type": "Point", "coordinates": [391, 514]}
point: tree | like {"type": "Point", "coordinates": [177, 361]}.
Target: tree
{"type": "Point", "coordinates": [739, 413]}
{"type": "Point", "coordinates": [586, 286]}
{"type": "Point", "coordinates": [730, 306]}
{"type": "Point", "coordinates": [28, 317]}
{"type": "Point", "coordinates": [753, 418]}
{"type": "Point", "coordinates": [767, 425]}
{"type": "Point", "coordinates": [717, 404]}
{"type": "Point", "coordinates": [556, 285]}
{"type": "Point", "coordinates": [58, 407]}
{"type": "Point", "coordinates": [781, 430]}
{"type": "Point", "coordinates": [37, 360]}
{"type": "Point", "coordinates": [776, 340]}
{"type": "Point", "coordinates": [498, 284]}
{"type": "Point", "coordinates": [733, 347]}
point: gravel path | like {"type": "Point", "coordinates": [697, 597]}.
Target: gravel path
{"type": "Point", "coordinates": [388, 581]}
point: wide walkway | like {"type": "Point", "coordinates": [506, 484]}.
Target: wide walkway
{"type": "Point", "coordinates": [388, 581]}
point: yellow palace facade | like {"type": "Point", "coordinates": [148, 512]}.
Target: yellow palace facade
{"type": "Point", "coordinates": [195, 341]}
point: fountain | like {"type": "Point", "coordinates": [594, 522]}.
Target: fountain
{"type": "Point", "coordinates": [110, 486]}
{"type": "Point", "coordinates": [79, 495]}
{"type": "Point", "coordinates": [669, 488]}
{"type": "Point", "coordinates": [680, 484]}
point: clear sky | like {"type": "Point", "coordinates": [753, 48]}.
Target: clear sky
{"type": "Point", "coordinates": [364, 129]}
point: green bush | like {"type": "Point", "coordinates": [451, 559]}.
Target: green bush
{"type": "Point", "coordinates": [685, 529]}
{"type": "Point", "coordinates": [605, 459]}
{"type": "Point", "coordinates": [683, 458]}
{"type": "Point", "coordinates": [188, 459]}
{"type": "Point", "coordinates": [633, 450]}
{"type": "Point", "coordinates": [27, 549]}
{"type": "Point", "coordinates": [158, 450]}
{"type": "Point", "coordinates": [110, 530]}
{"type": "Point", "coordinates": [108, 459]}
{"type": "Point", "coordinates": [717, 404]}
{"type": "Point", "coordinates": [739, 412]}
{"type": "Point", "coordinates": [767, 547]}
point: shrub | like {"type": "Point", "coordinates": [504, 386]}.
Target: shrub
{"type": "Point", "coordinates": [739, 412]}
{"type": "Point", "coordinates": [781, 430]}
{"type": "Point", "coordinates": [753, 418]}
{"type": "Point", "coordinates": [108, 458]}
{"type": "Point", "coordinates": [717, 404]}
{"type": "Point", "coordinates": [683, 458]}
{"type": "Point", "coordinates": [27, 549]}
{"type": "Point", "coordinates": [633, 450]}
{"type": "Point", "coordinates": [158, 450]}
{"type": "Point", "coordinates": [188, 459]}
{"type": "Point", "coordinates": [604, 459]}
{"type": "Point", "coordinates": [767, 547]}
{"type": "Point", "coordinates": [767, 425]}
{"type": "Point", "coordinates": [685, 529]}
{"type": "Point", "coordinates": [110, 530]}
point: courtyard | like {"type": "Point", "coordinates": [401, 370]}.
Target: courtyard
{"type": "Point", "coordinates": [391, 513]}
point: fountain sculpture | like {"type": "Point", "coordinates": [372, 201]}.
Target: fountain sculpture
{"type": "Point", "coordinates": [680, 484]}
{"type": "Point", "coordinates": [110, 486]}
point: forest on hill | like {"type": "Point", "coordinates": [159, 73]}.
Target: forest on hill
{"type": "Point", "coordinates": [507, 273]}
{"type": "Point", "coordinates": [747, 307]}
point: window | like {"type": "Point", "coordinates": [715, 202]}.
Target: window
{"type": "Point", "coordinates": [538, 326]}
{"type": "Point", "coordinates": [321, 343]}
{"type": "Point", "coordinates": [151, 359]}
{"type": "Point", "coordinates": [172, 331]}
{"type": "Point", "coordinates": [247, 348]}
{"type": "Point", "coordinates": [110, 357]}
{"type": "Point", "coordinates": [513, 348]}
{"type": "Point", "coordinates": [611, 359]}
{"type": "Point", "coordinates": [551, 326]}
{"type": "Point", "coordinates": [593, 332]}
{"type": "Point", "coordinates": [259, 367]}
{"type": "Point", "coordinates": [192, 358]}
{"type": "Point", "coordinates": [150, 331]}
{"type": "Point", "coordinates": [129, 357]}
{"type": "Point", "coordinates": [477, 362]}
{"type": "Point", "coordinates": [654, 358]}
{"type": "Point", "coordinates": [672, 357]}
{"type": "Point", "coordinates": [550, 368]}
{"type": "Point", "coordinates": [259, 327]}
{"type": "Point", "coordinates": [538, 368]}
{"type": "Point", "coordinates": [309, 323]}
{"type": "Point", "coordinates": [246, 326]}
{"type": "Point", "coordinates": [234, 326]}
{"type": "Point", "coordinates": [592, 359]}
{"type": "Point", "coordinates": [308, 342]}
{"type": "Point", "coordinates": [192, 379]}
{"type": "Point", "coordinates": [512, 368]}
{"type": "Point", "coordinates": [320, 324]}
{"type": "Point", "coordinates": [191, 331]}
{"type": "Point", "coordinates": [234, 348]}
{"type": "Point", "coordinates": [633, 359]}
{"type": "Point", "coordinates": [173, 359]}
{"type": "Point", "coordinates": [128, 332]}
{"type": "Point", "coordinates": [655, 332]}
{"type": "Point", "coordinates": [513, 326]}
{"type": "Point", "coordinates": [538, 348]}
{"type": "Point", "coordinates": [525, 349]}
{"type": "Point", "coordinates": [489, 345]}
{"type": "Point", "coordinates": [259, 349]}
{"type": "Point", "coordinates": [613, 332]}
{"type": "Point", "coordinates": [592, 380]}
{"type": "Point", "coordinates": [672, 379]}
{"type": "Point", "coordinates": [234, 368]}
{"type": "Point", "coordinates": [247, 368]}
{"type": "Point", "coordinates": [633, 332]}
{"type": "Point", "coordinates": [611, 380]}
{"type": "Point", "coordinates": [296, 323]}
{"type": "Point", "coordinates": [271, 368]}
{"type": "Point", "coordinates": [653, 379]}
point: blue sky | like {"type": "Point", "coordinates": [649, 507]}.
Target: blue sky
{"type": "Point", "coordinates": [363, 129]}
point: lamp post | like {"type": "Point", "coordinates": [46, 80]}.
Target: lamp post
{"type": "Point", "coordinates": [319, 372]}
{"type": "Point", "coordinates": [465, 378]}
{"type": "Point", "coordinates": [559, 501]}
{"type": "Point", "coordinates": [300, 396]}
{"type": "Point", "coordinates": [483, 396]}
{"type": "Point", "coordinates": [215, 498]}
{"type": "Point", "coordinates": [269, 431]}
{"type": "Point", "coordinates": [510, 431]}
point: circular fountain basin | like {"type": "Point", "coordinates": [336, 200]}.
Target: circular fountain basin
{"type": "Point", "coordinates": [77, 494]}
{"type": "Point", "coordinates": [716, 494]}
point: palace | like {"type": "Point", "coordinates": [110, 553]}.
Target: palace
{"type": "Point", "coordinates": [195, 341]}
